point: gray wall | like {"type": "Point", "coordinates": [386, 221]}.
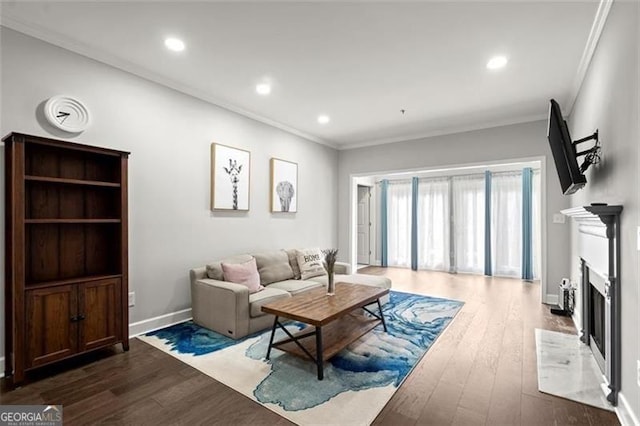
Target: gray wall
{"type": "Point", "coordinates": [169, 136]}
{"type": "Point", "coordinates": [608, 101]}
{"type": "Point", "coordinates": [527, 140]}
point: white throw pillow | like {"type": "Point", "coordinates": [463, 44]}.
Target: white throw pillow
{"type": "Point", "coordinates": [310, 263]}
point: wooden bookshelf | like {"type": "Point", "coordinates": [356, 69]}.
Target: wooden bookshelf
{"type": "Point", "coordinates": [66, 253]}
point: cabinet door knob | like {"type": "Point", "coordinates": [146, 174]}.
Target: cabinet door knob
{"type": "Point", "coordinates": [81, 317]}
{"type": "Point", "coordinates": [73, 319]}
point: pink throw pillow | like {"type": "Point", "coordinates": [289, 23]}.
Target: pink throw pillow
{"type": "Point", "coordinates": [243, 273]}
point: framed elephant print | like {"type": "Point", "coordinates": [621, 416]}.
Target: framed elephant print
{"type": "Point", "coordinates": [230, 178]}
{"type": "Point", "coordinates": [284, 186]}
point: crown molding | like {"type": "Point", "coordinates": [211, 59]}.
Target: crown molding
{"type": "Point", "coordinates": [446, 131]}
{"type": "Point", "coordinates": [83, 49]}
{"type": "Point", "coordinates": [80, 48]}
{"type": "Point", "coordinates": [589, 50]}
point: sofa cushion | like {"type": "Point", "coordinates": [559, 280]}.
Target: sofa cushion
{"type": "Point", "coordinates": [293, 261]}
{"type": "Point", "coordinates": [214, 269]}
{"type": "Point", "coordinates": [310, 263]}
{"type": "Point", "coordinates": [372, 280]}
{"type": "Point", "coordinates": [243, 273]}
{"type": "Point", "coordinates": [295, 286]}
{"type": "Point", "coordinates": [256, 300]}
{"type": "Point", "coordinates": [273, 266]}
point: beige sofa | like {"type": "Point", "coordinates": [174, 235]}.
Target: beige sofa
{"type": "Point", "coordinates": [229, 309]}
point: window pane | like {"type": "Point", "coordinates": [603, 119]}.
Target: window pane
{"type": "Point", "coordinates": [433, 224]}
{"type": "Point", "coordinates": [506, 223]}
{"type": "Point", "coordinates": [399, 223]}
{"type": "Point", "coordinates": [468, 223]}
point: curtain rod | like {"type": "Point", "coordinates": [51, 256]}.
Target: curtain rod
{"type": "Point", "coordinates": [408, 179]}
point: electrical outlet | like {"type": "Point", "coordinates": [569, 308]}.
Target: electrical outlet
{"type": "Point", "coordinates": [558, 218]}
{"type": "Point", "coordinates": [132, 298]}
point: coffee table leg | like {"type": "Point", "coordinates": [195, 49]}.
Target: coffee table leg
{"type": "Point", "coordinates": [384, 324]}
{"type": "Point", "coordinates": [319, 353]}
{"type": "Point", "coordinates": [273, 332]}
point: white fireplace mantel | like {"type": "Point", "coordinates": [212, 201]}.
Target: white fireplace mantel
{"type": "Point", "coordinates": [596, 226]}
{"type": "Point", "coordinates": [597, 219]}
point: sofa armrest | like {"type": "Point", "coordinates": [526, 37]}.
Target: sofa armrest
{"type": "Point", "coordinates": [196, 274]}
{"type": "Point", "coordinates": [342, 268]}
{"type": "Point", "coordinates": [221, 306]}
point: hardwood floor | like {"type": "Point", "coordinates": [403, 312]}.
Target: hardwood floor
{"type": "Point", "coordinates": [481, 370]}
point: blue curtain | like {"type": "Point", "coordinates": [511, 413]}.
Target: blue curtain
{"type": "Point", "coordinates": [414, 223]}
{"type": "Point", "coordinates": [384, 185]}
{"type": "Point", "coordinates": [527, 223]}
{"type": "Point", "coordinates": [487, 223]}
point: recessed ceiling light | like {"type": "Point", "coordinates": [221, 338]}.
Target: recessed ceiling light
{"type": "Point", "coordinates": [497, 62]}
{"type": "Point", "coordinates": [263, 89]}
{"type": "Point", "coordinates": [323, 119]}
{"type": "Point", "coordinates": [174, 44]}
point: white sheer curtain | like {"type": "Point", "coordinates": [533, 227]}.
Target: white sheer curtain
{"type": "Point", "coordinates": [451, 223]}
{"type": "Point", "coordinates": [537, 225]}
{"type": "Point", "coordinates": [433, 224]}
{"type": "Point", "coordinates": [468, 223]}
{"type": "Point", "coordinates": [506, 223]}
{"type": "Point", "coordinates": [399, 223]}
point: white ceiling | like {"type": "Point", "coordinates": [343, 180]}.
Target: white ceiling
{"type": "Point", "coordinates": [358, 62]}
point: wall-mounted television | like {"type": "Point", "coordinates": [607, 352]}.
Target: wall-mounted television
{"type": "Point", "coordinates": [564, 152]}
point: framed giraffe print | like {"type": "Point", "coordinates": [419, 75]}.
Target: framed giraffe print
{"type": "Point", "coordinates": [230, 178]}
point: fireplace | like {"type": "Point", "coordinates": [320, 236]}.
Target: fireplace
{"type": "Point", "coordinates": [599, 314]}
{"type": "Point", "coordinates": [597, 324]}
{"type": "Point", "coordinates": [596, 311]}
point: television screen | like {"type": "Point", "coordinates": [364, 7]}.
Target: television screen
{"type": "Point", "coordinates": [564, 152]}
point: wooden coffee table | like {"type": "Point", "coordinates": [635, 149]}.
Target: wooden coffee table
{"type": "Point", "coordinates": [335, 321]}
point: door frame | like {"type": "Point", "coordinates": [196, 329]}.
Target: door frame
{"type": "Point", "coordinates": [369, 191]}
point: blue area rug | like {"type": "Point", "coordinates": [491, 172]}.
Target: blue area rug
{"type": "Point", "coordinates": [358, 381]}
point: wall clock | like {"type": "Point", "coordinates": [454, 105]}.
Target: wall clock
{"type": "Point", "coordinates": [67, 114]}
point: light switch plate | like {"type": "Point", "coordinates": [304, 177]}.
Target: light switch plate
{"type": "Point", "coordinates": [132, 298]}
{"type": "Point", "coordinates": [558, 218]}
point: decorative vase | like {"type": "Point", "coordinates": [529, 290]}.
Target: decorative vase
{"type": "Point", "coordinates": [331, 286]}
{"type": "Point", "coordinates": [329, 262]}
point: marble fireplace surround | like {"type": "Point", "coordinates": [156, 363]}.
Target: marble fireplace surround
{"type": "Point", "coordinates": [599, 248]}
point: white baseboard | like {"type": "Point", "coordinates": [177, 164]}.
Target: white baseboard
{"type": "Point", "coordinates": [625, 414]}
{"type": "Point", "coordinates": [156, 323]}
{"type": "Point", "coordinates": [551, 299]}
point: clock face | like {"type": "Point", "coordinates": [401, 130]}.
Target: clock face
{"type": "Point", "coordinates": [67, 114]}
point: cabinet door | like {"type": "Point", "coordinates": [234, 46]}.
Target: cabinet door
{"type": "Point", "coordinates": [100, 308]}
{"type": "Point", "coordinates": [52, 327]}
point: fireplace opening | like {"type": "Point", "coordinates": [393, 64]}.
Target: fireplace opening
{"type": "Point", "coordinates": [597, 320]}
